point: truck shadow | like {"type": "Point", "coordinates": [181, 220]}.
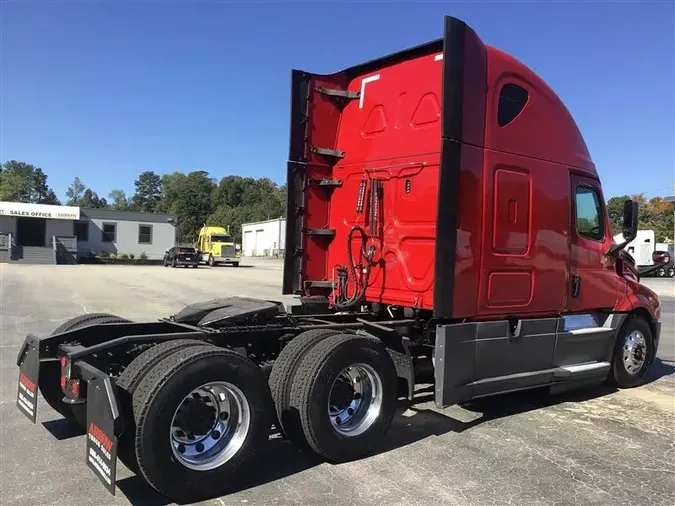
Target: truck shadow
{"type": "Point", "coordinates": [413, 422]}
{"type": "Point", "coordinates": [659, 369]}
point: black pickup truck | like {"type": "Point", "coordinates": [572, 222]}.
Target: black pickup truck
{"type": "Point", "coordinates": [183, 255]}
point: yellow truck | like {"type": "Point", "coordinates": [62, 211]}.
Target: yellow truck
{"type": "Point", "coordinates": [215, 245]}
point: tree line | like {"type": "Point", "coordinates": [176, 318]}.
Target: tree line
{"type": "Point", "coordinates": [196, 198]}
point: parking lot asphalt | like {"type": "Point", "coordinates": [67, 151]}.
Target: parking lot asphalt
{"type": "Point", "coordinates": [597, 446]}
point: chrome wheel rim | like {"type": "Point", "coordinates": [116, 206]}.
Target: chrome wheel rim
{"type": "Point", "coordinates": [210, 426]}
{"type": "Point", "coordinates": [355, 400]}
{"type": "Point", "coordinates": [634, 352]}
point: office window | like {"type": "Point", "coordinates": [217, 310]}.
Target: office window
{"type": "Point", "coordinates": [144, 234]}
{"type": "Point", "coordinates": [512, 100]}
{"type": "Point", "coordinates": [590, 220]}
{"type": "Point", "coordinates": [81, 230]}
{"type": "Point", "coordinates": [109, 232]}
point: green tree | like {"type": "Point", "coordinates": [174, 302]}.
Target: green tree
{"type": "Point", "coordinates": [23, 182]}
{"type": "Point", "coordinates": [78, 194]}
{"type": "Point", "coordinates": [90, 200]}
{"type": "Point", "coordinates": [239, 200]}
{"type": "Point", "coordinates": [189, 197]}
{"type": "Point", "coordinates": [118, 200]}
{"type": "Point", "coordinates": [148, 191]}
{"type": "Point", "coordinates": [654, 214]}
{"type": "Point", "coordinates": [75, 192]}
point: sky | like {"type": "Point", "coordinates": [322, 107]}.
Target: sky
{"type": "Point", "coordinates": [104, 90]}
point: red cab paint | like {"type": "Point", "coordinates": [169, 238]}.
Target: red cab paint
{"type": "Point", "coordinates": [479, 169]}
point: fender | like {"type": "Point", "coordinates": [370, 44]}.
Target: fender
{"type": "Point", "coordinates": [638, 297]}
{"type": "Point", "coordinates": [640, 300]}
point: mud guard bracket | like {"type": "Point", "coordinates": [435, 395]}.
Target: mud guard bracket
{"type": "Point", "coordinates": [398, 347]}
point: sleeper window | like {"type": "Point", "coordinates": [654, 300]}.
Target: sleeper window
{"type": "Point", "coordinates": [512, 100]}
{"type": "Point", "coordinates": [589, 213]}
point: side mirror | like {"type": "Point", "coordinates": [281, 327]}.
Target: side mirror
{"type": "Point", "coordinates": [660, 257]}
{"type": "Point", "coordinates": [630, 220]}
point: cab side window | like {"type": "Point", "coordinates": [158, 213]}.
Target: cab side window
{"type": "Point", "coordinates": [589, 215]}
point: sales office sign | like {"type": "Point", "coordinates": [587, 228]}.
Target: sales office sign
{"type": "Point", "coordinates": [21, 210]}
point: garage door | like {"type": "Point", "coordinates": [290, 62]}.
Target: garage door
{"type": "Point", "coordinates": [247, 243]}
{"type": "Point", "coordinates": [259, 241]}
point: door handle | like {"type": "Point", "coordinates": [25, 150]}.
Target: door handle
{"type": "Point", "coordinates": [576, 286]}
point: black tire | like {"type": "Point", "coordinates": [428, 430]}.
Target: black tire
{"type": "Point", "coordinates": [619, 375]}
{"type": "Point", "coordinates": [282, 376]}
{"type": "Point", "coordinates": [88, 319]}
{"type": "Point", "coordinates": [173, 263]}
{"type": "Point", "coordinates": [212, 262]}
{"type": "Point", "coordinates": [235, 264]}
{"type": "Point", "coordinates": [671, 272]}
{"type": "Point", "coordinates": [50, 372]}
{"type": "Point", "coordinates": [310, 395]}
{"type": "Point", "coordinates": [158, 396]}
{"type": "Point", "coordinates": [129, 380]}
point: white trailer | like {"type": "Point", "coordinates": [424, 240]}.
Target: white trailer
{"type": "Point", "coordinates": [643, 247]}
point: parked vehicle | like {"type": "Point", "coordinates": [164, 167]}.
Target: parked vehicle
{"type": "Point", "coordinates": [443, 211]}
{"type": "Point", "coordinates": [216, 246]}
{"type": "Point", "coordinates": [651, 258]}
{"type": "Point", "coordinates": [185, 256]}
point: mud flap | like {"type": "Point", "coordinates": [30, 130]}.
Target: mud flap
{"type": "Point", "coordinates": [102, 414]}
{"type": "Point", "coordinates": [29, 370]}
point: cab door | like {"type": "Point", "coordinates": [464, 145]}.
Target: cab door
{"type": "Point", "coordinates": [593, 283]}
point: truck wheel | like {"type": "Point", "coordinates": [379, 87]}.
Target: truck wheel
{"type": "Point", "coordinates": [173, 263]}
{"type": "Point", "coordinates": [202, 416]}
{"type": "Point", "coordinates": [282, 376]}
{"type": "Point", "coordinates": [671, 272]}
{"type": "Point", "coordinates": [129, 380]}
{"type": "Point", "coordinates": [235, 264]}
{"type": "Point", "coordinates": [50, 372]}
{"type": "Point", "coordinates": [345, 394]}
{"type": "Point", "coordinates": [633, 354]}
{"type": "Point", "coordinates": [212, 262]}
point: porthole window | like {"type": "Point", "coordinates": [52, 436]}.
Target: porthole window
{"type": "Point", "coordinates": [512, 100]}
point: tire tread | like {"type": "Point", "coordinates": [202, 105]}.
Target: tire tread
{"type": "Point", "coordinates": [283, 374]}
{"type": "Point", "coordinates": [308, 371]}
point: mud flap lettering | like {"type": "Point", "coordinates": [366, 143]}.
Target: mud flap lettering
{"type": "Point", "coordinates": [101, 439]}
{"type": "Point", "coordinates": [27, 388]}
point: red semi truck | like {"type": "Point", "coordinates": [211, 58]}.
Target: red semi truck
{"type": "Point", "coordinates": [443, 210]}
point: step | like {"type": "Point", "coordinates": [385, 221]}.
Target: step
{"type": "Point", "coordinates": [35, 261]}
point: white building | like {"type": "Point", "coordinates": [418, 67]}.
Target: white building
{"type": "Point", "coordinates": [32, 230]}
{"type": "Point", "coordinates": [264, 238]}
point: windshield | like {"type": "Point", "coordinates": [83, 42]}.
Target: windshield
{"type": "Point", "coordinates": [221, 238]}
{"type": "Point", "coordinates": [185, 250]}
